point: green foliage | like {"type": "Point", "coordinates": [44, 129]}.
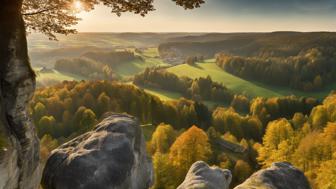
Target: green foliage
{"type": "Point", "coordinates": [197, 89]}
{"type": "Point", "coordinates": [309, 70]}
{"type": "Point", "coordinates": [85, 67]}
{"type": "Point", "coordinates": [242, 86]}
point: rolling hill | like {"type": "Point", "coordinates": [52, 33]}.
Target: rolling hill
{"type": "Point", "coordinates": [239, 85]}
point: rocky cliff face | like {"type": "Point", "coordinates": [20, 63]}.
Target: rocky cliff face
{"type": "Point", "coordinates": [278, 176]}
{"type": "Point", "coordinates": [19, 146]}
{"type": "Point", "coordinates": [113, 155]}
{"type": "Point", "coordinates": [201, 176]}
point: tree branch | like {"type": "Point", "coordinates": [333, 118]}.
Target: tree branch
{"type": "Point", "coordinates": [38, 12]}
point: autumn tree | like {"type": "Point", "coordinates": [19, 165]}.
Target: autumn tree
{"type": "Point", "coordinates": [162, 171]}
{"type": "Point", "coordinates": [39, 111]}
{"type": "Point", "coordinates": [162, 138]}
{"type": "Point", "coordinates": [193, 145]}
{"type": "Point", "coordinates": [276, 132]}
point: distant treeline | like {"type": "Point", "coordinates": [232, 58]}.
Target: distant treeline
{"type": "Point", "coordinates": [113, 58]}
{"type": "Point", "coordinates": [86, 68]}
{"type": "Point", "coordinates": [96, 65]}
{"type": "Point", "coordinates": [197, 89]}
{"type": "Point", "coordinates": [310, 70]}
{"type": "Point", "coordinates": [277, 44]}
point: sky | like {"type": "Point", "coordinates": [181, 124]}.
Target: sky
{"type": "Point", "coordinates": [219, 16]}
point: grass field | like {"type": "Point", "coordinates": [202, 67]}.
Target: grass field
{"type": "Point", "coordinates": [168, 95]}
{"type": "Point", "coordinates": [150, 56]}
{"type": "Point", "coordinates": [239, 85]}
{"type": "Point", "coordinates": [54, 77]}
{"type": "Point", "coordinates": [163, 94]}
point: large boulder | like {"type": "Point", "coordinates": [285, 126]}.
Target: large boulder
{"type": "Point", "coordinates": [279, 176]}
{"type": "Point", "coordinates": [201, 176]}
{"type": "Point", "coordinates": [113, 155]}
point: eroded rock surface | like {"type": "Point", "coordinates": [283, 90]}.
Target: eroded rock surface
{"type": "Point", "coordinates": [201, 176]}
{"type": "Point", "coordinates": [112, 156]}
{"type": "Point", "coordinates": [19, 146]}
{"type": "Point", "coordinates": [279, 176]}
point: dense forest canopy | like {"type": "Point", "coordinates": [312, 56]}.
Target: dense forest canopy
{"type": "Point", "coordinates": [251, 140]}
{"type": "Point", "coordinates": [308, 71]}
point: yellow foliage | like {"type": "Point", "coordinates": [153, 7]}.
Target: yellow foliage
{"type": "Point", "coordinates": [193, 145]}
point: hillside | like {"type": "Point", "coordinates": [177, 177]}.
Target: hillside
{"type": "Point", "coordinates": [240, 85]}
{"type": "Point", "coordinates": [278, 44]}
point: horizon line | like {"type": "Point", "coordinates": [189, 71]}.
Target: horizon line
{"type": "Point", "coordinates": [211, 32]}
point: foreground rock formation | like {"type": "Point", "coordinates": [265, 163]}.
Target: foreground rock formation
{"type": "Point", "coordinates": [278, 176]}
{"type": "Point", "coordinates": [201, 176]}
{"type": "Point", "coordinates": [113, 155]}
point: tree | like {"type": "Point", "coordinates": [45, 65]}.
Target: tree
{"type": "Point", "coordinates": [319, 117]}
{"type": "Point", "coordinates": [39, 111]}
{"type": "Point", "coordinates": [193, 145]}
{"type": "Point", "coordinates": [241, 171]}
{"type": "Point", "coordinates": [163, 138]}
{"type": "Point", "coordinates": [46, 125]}
{"type": "Point", "coordinates": [88, 120]}
{"type": "Point", "coordinates": [162, 170]}
{"type": "Point", "coordinates": [276, 132]}
{"type": "Point", "coordinates": [47, 145]}
{"type": "Point", "coordinates": [326, 175]}
{"type": "Point", "coordinates": [104, 102]}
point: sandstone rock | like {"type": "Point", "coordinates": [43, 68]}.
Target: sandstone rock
{"type": "Point", "coordinates": [279, 176]}
{"type": "Point", "coordinates": [20, 166]}
{"type": "Point", "coordinates": [112, 156]}
{"type": "Point", "coordinates": [201, 176]}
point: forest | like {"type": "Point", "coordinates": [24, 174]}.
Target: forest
{"type": "Point", "coordinates": [308, 71]}
{"type": "Point", "coordinates": [270, 129]}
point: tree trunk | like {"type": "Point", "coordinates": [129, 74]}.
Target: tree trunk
{"type": "Point", "coordinates": [19, 145]}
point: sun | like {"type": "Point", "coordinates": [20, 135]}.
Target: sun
{"type": "Point", "coordinates": [78, 5]}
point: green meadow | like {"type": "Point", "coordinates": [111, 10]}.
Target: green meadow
{"type": "Point", "coordinates": [240, 85]}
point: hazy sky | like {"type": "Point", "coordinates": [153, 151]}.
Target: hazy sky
{"type": "Point", "coordinates": [219, 16]}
